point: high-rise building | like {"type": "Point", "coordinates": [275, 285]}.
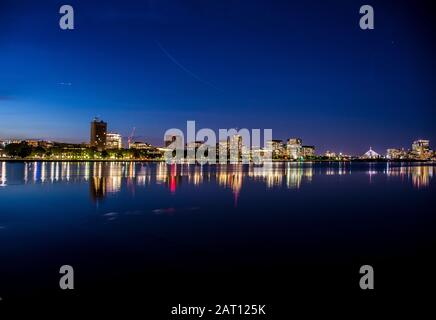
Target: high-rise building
{"type": "Point", "coordinates": [277, 148]}
{"type": "Point", "coordinates": [235, 146]}
{"type": "Point", "coordinates": [98, 134]}
{"type": "Point", "coordinates": [113, 141]}
{"type": "Point", "coordinates": [421, 145]}
{"type": "Point", "coordinates": [293, 147]}
{"type": "Point", "coordinates": [421, 149]}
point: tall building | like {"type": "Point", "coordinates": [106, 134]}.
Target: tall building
{"type": "Point", "coordinates": [294, 148]}
{"type": "Point", "coordinates": [421, 145]}
{"type": "Point", "coordinates": [277, 148]}
{"type": "Point", "coordinates": [98, 134]}
{"type": "Point", "coordinates": [113, 141]}
{"type": "Point", "coordinates": [235, 146]}
{"type": "Point", "coordinates": [421, 149]}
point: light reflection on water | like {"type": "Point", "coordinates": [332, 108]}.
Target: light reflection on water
{"type": "Point", "coordinates": [107, 177]}
{"type": "Point", "coordinates": [154, 216]}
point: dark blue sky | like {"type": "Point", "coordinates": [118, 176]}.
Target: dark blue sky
{"type": "Point", "coordinates": [302, 68]}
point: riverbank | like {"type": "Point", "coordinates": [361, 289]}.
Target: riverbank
{"type": "Point", "coordinates": [163, 160]}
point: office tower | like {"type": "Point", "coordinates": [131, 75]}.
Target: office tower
{"type": "Point", "coordinates": [421, 149]}
{"type": "Point", "coordinates": [277, 148]}
{"type": "Point", "coordinates": [113, 141]}
{"type": "Point", "coordinates": [420, 145]}
{"type": "Point", "coordinates": [235, 146]}
{"type": "Point", "coordinates": [98, 134]}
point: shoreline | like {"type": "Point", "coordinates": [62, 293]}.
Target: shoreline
{"type": "Point", "coordinates": [217, 163]}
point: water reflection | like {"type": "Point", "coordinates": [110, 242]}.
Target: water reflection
{"type": "Point", "coordinates": [107, 178]}
{"type": "Point", "coordinates": [420, 175]}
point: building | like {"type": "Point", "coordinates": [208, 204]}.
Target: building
{"type": "Point", "coordinates": [12, 141]}
{"type": "Point", "coordinates": [330, 154]}
{"type": "Point", "coordinates": [421, 145]}
{"type": "Point", "coordinates": [222, 150]}
{"type": "Point", "coordinates": [396, 154]}
{"type": "Point", "coordinates": [33, 143]}
{"type": "Point", "coordinates": [235, 146]}
{"type": "Point", "coordinates": [194, 144]}
{"type": "Point", "coordinates": [169, 139]}
{"type": "Point", "coordinates": [370, 154]}
{"type": "Point", "coordinates": [98, 134]}
{"type": "Point", "coordinates": [293, 148]}
{"type": "Point", "coordinates": [140, 145]}
{"type": "Point", "coordinates": [114, 141]}
{"type": "Point", "coordinates": [421, 150]}
{"type": "Point", "coordinates": [277, 148]}
{"type": "Point", "coordinates": [307, 151]}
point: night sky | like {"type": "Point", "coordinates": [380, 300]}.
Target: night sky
{"type": "Point", "coordinates": [303, 68]}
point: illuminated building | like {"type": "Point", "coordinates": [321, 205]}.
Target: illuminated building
{"type": "Point", "coordinates": [223, 149]}
{"type": "Point", "coordinates": [421, 150]}
{"type": "Point", "coordinates": [191, 148]}
{"type": "Point", "coordinates": [307, 151]}
{"type": "Point", "coordinates": [370, 154]}
{"type": "Point", "coordinates": [32, 143]}
{"type": "Point", "coordinates": [277, 148]}
{"type": "Point", "coordinates": [421, 145]}
{"type": "Point", "coordinates": [395, 154]}
{"type": "Point", "coordinates": [46, 144]}
{"type": "Point", "coordinates": [235, 147]}
{"type": "Point", "coordinates": [169, 139]}
{"type": "Point", "coordinates": [113, 141]}
{"type": "Point", "coordinates": [195, 144]}
{"type": "Point", "coordinates": [293, 147]}
{"type": "Point", "coordinates": [2, 151]}
{"type": "Point", "coordinates": [13, 141]}
{"type": "Point", "coordinates": [140, 145]}
{"type": "Point", "coordinates": [258, 154]}
{"type": "Point", "coordinates": [98, 134]}
{"type": "Point", "coordinates": [330, 154]}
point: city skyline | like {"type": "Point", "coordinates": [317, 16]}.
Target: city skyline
{"type": "Point", "coordinates": [196, 158]}
{"type": "Point", "coordinates": [101, 139]}
{"type": "Point", "coordinates": [291, 67]}
{"type": "Point", "coordinates": [141, 139]}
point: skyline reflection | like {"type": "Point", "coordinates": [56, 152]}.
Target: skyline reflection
{"type": "Point", "coordinates": [107, 178]}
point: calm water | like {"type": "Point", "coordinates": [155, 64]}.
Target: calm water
{"type": "Point", "coordinates": [138, 222]}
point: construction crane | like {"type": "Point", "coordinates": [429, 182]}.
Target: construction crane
{"type": "Point", "coordinates": [129, 140]}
